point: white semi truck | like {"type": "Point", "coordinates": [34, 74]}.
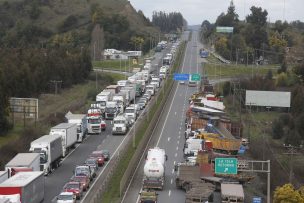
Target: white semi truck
{"type": "Point", "coordinates": [68, 132]}
{"type": "Point", "coordinates": [50, 149]}
{"type": "Point", "coordinates": [154, 169]}
{"type": "Point", "coordinates": [102, 98]}
{"type": "Point", "coordinates": [81, 121]}
{"type": "Point", "coordinates": [94, 121]}
{"type": "Point", "coordinates": [112, 110]}
{"type": "Point", "coordinates": [23, 162]}
{"type": "Point", "coordinates": [120, 125]}
{"type": "Point", "coordinates": [120, 99]}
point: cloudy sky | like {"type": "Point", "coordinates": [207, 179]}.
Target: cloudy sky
{"type": "Point", "coordinates": [195, 11]}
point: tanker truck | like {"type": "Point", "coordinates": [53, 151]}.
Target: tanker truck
{"type": "Point", "coordinates": [154, 169]}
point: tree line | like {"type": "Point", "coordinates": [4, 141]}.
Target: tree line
{"type": "Point", "coordinates": [168, 22]}
{"type": "Point", "coordinates": [28, 72]}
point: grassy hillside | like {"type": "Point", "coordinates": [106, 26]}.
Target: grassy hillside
{"type": "Point", "coordinates": [37, 22]}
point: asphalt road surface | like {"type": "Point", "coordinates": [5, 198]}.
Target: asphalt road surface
{"type": "Point", "coordinates": [169, 132]}
{"type": "Point", "coordinates": [55, 181]}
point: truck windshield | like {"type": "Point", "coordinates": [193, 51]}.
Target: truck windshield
{"type": "Point", "coordinates": [111, 109]}
{"type": "Point", "coordinates": [129, 111]}
{"type": "Point", "coordinates": [43, 158]}
{"type": "Point", "coordinates": [94, 120]}
{"type": "Point", "coordinates": [119, 122]}
{"type": "Point", "coordinates": [101, 103]}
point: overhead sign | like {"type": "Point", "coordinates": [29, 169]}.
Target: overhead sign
{"type": "Point", "coordinates": [268, 98]}
{"type": "Point", "coordinates": [257, 200]}
{"type": "Point", "coordinates": [224, 29]}
{"type": "Point", "coordinates": [226, 165]}
{"type": "Point", "coordinates": [181, 77]}
{"type": "Point", "coordinates": [195, 77]}
{"type": "Point", "coordinates": [27, 107]}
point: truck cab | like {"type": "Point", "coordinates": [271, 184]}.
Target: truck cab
{"type": "Point", "coordinates": [120, 125]}
{"type": "Point", "coordinates": [151, 89]}
{"type": "Point", "coordinates": [131, 113]}
{"type": "Point", "coordinates": [112, 110]}
{"type": "Point", "coordinates": [192, 146]}
{"type": "Point", "coordinates": [95, 124]}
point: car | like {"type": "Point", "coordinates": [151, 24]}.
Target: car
{"type": "Point", "coordinates": [137, 107]}
{"type": "Point", "coordinates": [66, 197]}
{"type": "Point", "coordinates": [182, 82]}
{"type": "Point", "coordinates": [103, 125]}
{"type": "Point", "coordinates": [84, 180]}
{"type": "Point", "coordinates": [147, 95]}
{"type": "Point", "coordinates": [83, 170]}
{"type": "Point", "coordinates": [106, 154]}
{"type": "Point", "coordinates": [92, 161]}
{"type": "Point", "coordinates": [74, 187]}
{"type": "Point", "coordinates": [142, 103]}
{"type": "Point", "coordinates": [192, 84]}
{"type": "Point", "coordinates": [98, 155]}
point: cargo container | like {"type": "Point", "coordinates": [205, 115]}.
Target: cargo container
{"type": "Point", "coordinates": [29, 185]}
{"type": "Point", "coordinates": [81, 121]}
{"type": "Point", "coordinates": [3, 176]}
{"type": "Point", "coordinates": [68, 132]}
{"type": "Point", "coordinates": [23, 162]}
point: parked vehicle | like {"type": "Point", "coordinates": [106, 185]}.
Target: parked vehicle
{"type": "Point", "coordinates": [154, 169]}
{"type": "Point", "coordinates": [232, 193]}
{"type": "Point", "coordinates": [23, 162]}
{"type": "Point", "coordinates": [83, 171]}
{"type": "Point", "coordinates": [68, 132]}
{"type": "Point", "coordinates": [50, 149]}
{"type": "Point", "coordinates": [81, 121]}
{"type": "Point", "coordinates": [66, 197]}
{"type": "Point", "coordinates": [3, 176]}
{"type": "Point", "coordinates": [112, 110]}
{"type": "Point", "coordinates": [74, 187]}
{"type": "Point", "coordinates": [99, 156]}
{"type": "Point", "coordinates": [84, 180]}
{"type": "Point", "coordinates": [120, 125]}
{"type": "Point", "coordinates": [28, 185]}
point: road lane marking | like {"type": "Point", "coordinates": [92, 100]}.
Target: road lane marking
{"type": "Point", "coordinates": [178, 142]}
{"type": "Point", "coordinates": [175, 155]}
{"type": "Point", "coordinates": [169, 193]}
{"type": "Point", "coordinates": [169, 139]}
{"type": "Point", "coordinates": [177, 148]}
{"type": "Point", "coordinates": [179, 132]}
{"type": "Point", "coordinates": [179, 137]}
{"type": "Point", "coordinates": [172, 171]}
{"type": "Point", "coordinates": [171, 181]}
{"type": "Point", "coordinates": [174, 163]}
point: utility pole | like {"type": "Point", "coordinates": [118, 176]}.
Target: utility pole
{"type": "Point", "coordinates": [291, 151]}
{"type": "Point", "coordinates": [56, 82]}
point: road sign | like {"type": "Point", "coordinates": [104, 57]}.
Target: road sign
{"type": "Point", "coordinates": [195, 77]}
{"type": "Point", "coordinates": [224, 29]}
{"type": "Point", "coordinates": [226, 165]}
{"type": "Point", "coordinates": [181, 76]}
{"type": "Point", "coordinates": [257, 200]}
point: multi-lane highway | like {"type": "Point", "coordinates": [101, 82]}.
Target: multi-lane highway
{"type": "Point", "coordinates": [169, 132]}
{"type": "Point", "coordinates": [55, 181]}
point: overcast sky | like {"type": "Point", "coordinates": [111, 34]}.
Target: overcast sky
{"type": "Point", "coordinates": [196, 11]}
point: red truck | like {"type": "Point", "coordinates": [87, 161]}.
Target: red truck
{"type": "Point", "coordinates": [29, 185]}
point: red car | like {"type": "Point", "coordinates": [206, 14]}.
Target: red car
{"type": "Point", "coordinates": [99, 156]}
{"type": "Point", "coordinates": [74, 187]}
{"type": "Point", "coordinates": [103, 125]}
{"type": "Point", "coordinates": [84, 180]}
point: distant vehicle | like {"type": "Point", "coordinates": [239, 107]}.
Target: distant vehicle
{"type": "Point", "coordinates": [50, 149]}
{"type": "Point", "coordinates": [131, 113]}
{"type": "Point", "coordinates": [68, 132]}
{"type": "Point", "coordinates": [102, 98]}
{"type": "Point", "coordinates": [106, 154]}
{"type": "Point", "coordinates": [99, 156]}
{"type": "Point", "coordinates": [192, 146]}
{"type": "Point", "coordinates": [94, 119]}
{"type": "Point", "coordinates": [158, 48]}
{"type": "Point", "coordinates": [28, 185]}
{"type": "Point", "coordinates": [142, 103]}
{"type": "Point", "coordinates": [23, 162]}
{"type": "Point", "coordinates": [154, 169]}
{"type": "Point", "coordinates": [120, 125]}
{"type": "Point", "coordinates": [182, 82]}
{"type": "Point", "coordinates": [150, 88]}
{"type": "Point", "coordinates": [112, 110]}
{"type": "Point", "coordinates": [83, 171]}
{"type": "Point", "coordinates": [204, 53]}
{"type": "Point", "coordinates": [147, 95]}
{"type": "Point", "coordinates": [81, 121]}
{"type": "Point", "coordinates": [192, 83]}
{"type": "Point", "coordinates": [92, 162]}
{"type": "Point", "coordinates": [74, 187]}
{"type": "Point", "coordinates": [148, 197]}
{"type": "Point", "coordinates": [66, 197]}
{"type": "Point", "coordinates": [84, 180]}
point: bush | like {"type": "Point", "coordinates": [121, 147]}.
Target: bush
{"type": "Point", "coordinates": [69, 22]}
{"type": "Point", "coordinates": [91, 95]}
{"type": "Point", "coordinates": [277, 129]}
{"type": "Point", "coordinates": [282, 80]}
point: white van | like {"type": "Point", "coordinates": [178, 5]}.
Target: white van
{"type": "Point", "coordinates": [151, 89]}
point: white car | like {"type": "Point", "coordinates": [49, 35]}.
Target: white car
{"type": "Point", "coordinates": [66, 197]}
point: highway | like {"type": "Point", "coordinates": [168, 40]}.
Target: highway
{"type": "Point", "coordinates": [169, 132]}
{"type": "Point", "coordinates": [55, 181]}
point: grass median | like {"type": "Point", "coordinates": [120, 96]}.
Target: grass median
{"type": "Point", "coordinates": [112, 193]}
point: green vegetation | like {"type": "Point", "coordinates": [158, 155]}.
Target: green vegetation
{"type": "Point", "coordinates": [167, 23]}
{"type": "Point", "coordinates": [223, 70]}
{"type": "Point", "coordinates": [112, 193]}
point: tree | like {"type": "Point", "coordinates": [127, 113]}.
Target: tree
{"type": "Point", "coordinates": [277, 129]}
{"type": "Point", "coordinates": [287, 194]}
{"type": "Point", "coordinates": [228, 19]}
{"type": "Point", "coordinates": [297, 100]}
{"type": "Point", "coordinates": [299, 71]}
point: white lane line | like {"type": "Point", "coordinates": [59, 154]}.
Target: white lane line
{"type": "Point", "coordinates": [172, 171]}
{"type": "Point", "coordinates": [180, 128]}
{"type": "Point", "coordinates": [175, 112]}
{"type": "Point", "coordinates": [169, 193]}
{"type": "Point", "coordinates": [169, 138]}
{"type": "Point", "coordinates": [171, 181]}
{"type": "Point", "coordinates": [177, 148]}
{"type": "Point", "coordinates": [179, 132]}
{"type": "Point", "coordinates": [175, 155]}
{"type": "Point", "coordinates": [178, 142]}
{"type": "Point", "coordinates": [174, 163]}
{"type": "Point", "coordinates": [179, 137]}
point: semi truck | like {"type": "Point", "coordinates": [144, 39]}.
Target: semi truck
{"type": "Point", "coordinates": [154, 169]}
{"type": "Point", "coordinates": [121, 125]}
{"type": "Point", "coordinates": [112, 110]}
{"type": "Point", "coordinates": [81, 121]}
{"type": "Point", "coordinates": [94, 121]}
{"type": "Point", "coordinates": [3, 176]}
{"type": "Point", "coordinates": [68, 132]}
{"type": "Point", "coordinates": [113, 88]}
{"type": "Point", "coordinates": [50, 149]}
{"type": "Point", "coordinates": [102, 98]}
{"type": "Point", "coordinates": [192, 146]}
{"type": "Point", "coordinates": [121, 101]}
{"type": "Point", "coordinates": [23, 162]}
{"type": "Point", "coordinates": [29, 185]}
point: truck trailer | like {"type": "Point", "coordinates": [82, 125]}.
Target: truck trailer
{"type": "Point", "coordinates": [23, 162]}
{"type": "Point", "coordinates": [29, 185]}
{"type": "Point", "coordinates": [154, 169]}
{"type": "Point", "coordinates": [68, 132]}
{"type": "Point", "coordinates": [81, 121]}
{"type": "Point", "coordinates": [3, 176]}
{"type": "Point", "coordinates": [50, 149]}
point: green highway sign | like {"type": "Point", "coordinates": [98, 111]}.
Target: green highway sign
{"type": "Point", "coordinates": [195, 77]}
{"type": "Point", "coordinates": [224, 29]}
{"type": "Point", "coordinates": [226, 165]}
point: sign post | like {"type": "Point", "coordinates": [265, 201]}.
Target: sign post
{"type": "Point", "coordinates": [226, 165]}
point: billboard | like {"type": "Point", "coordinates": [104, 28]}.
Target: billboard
{"type": "Point", "coordinates": [224, 29]}
{"type": "Point", "coordinates": [28, 107]}
{"type": "Point", "coordinates": [268, 98]}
